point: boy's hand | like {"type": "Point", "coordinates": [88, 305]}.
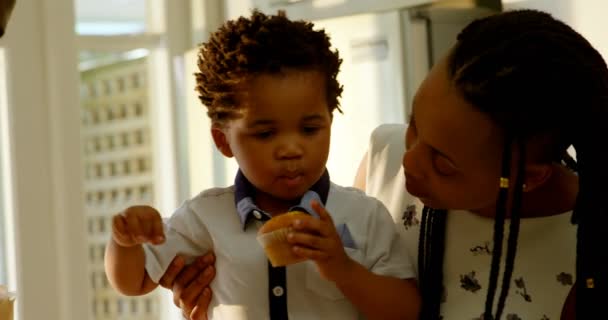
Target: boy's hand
{"type": "Point", "coordinates": [137, 225]}
{"type": "Point", "coordinates": [318, 240]}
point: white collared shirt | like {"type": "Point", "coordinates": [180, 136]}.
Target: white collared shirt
{"type": "Point", "coordinates": [209, 221]}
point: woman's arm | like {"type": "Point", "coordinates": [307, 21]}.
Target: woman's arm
{"type": "Point", "coordinates": [381, 297]}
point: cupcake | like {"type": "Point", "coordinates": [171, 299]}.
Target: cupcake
{"type": "Point", "coordinates": [273, 238]}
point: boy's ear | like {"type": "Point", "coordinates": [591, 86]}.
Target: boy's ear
{"type": "Point", "coordinates": [536, 175]}
{"type": "Point", "coordinates": [220, 140]}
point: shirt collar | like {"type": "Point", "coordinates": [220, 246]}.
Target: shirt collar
{"type": "Point", "coordinates": [245, 191]}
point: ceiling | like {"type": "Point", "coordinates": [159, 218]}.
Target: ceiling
{"type": "Point", "coordinates": [110, 17]}
{"type": "Point", "coordinates": [110, 10]}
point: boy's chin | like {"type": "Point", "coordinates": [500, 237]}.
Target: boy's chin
{"type": "Point", "coordinates": [287, 195]}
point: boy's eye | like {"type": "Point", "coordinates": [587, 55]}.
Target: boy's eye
{"type": "Point", "coordinates": [263, 134]}
{"type": "Point", "coordinates": [310, 130]}
{"type": "Point", "coordinates": [444, 166]}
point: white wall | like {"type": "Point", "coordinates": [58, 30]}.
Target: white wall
{"type": "Point", "coordinates": [372, 52]}
{"type": "Point", "coordinates": [587, 17]}
{"type": "Point", "coordinates": [236, 8]}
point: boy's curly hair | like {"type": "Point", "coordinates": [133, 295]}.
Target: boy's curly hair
{"type": "Point", "coordinates": [261, 44]}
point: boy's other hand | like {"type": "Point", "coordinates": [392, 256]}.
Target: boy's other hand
{"type": "Point", "coordinates": [318, 240]}
{"type": "Point", "coordinates": [137, 225]}
{"type": "Point", "coordinates": [190, 285]}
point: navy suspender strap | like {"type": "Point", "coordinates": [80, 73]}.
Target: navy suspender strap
{"type": "Point", "coordinates": [277, 292]}
{"type": "Point", "coordinates": [277, 289]}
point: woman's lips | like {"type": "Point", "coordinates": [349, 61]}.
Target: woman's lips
{"type": "Point", "coordinates": [413, 187]}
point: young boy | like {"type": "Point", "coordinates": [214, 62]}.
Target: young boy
{"type": "Point", "coordinates": [270, 88]}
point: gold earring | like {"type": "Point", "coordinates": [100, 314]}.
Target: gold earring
{"type": "Point", "coordinates": [504, 183]}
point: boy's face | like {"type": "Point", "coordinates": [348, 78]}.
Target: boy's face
{"type": "Point", "coordinates": [281, 135]}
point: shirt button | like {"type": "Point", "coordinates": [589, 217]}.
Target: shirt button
{"type": "Point", "coordinates": [278, 291]}
{"type": "Point", "coordinates": [257, 214]}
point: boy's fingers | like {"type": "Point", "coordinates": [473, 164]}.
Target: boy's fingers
{"type": "Point", "coordinates": [307, 224]}
{"type": "Point", "coordinates": [313, 225]}
{"type": "Point", "coordinates": [119, 225]}
{"type": "Point", "coordinates": [176, 266]}
{"type": "Point", "coordinates": [120, 231]}
{"type": "Point", "coordinates": [327, 227]}
{"type": "Point", "coordinates": [151, 225]}
{"type": "Point", "coordinates": [306, 240]}
{"type": "Point", "coordinates": [309, 253]}
{"type": "Point", "coordinates": [158, 234]}
{"type": "Point", "coordinates": [320, 210]}
{"type": "Point", "coordinates": [134, 227]}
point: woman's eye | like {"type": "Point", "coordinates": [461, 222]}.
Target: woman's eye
{"type": "Point", "coordinates": [444, 166]}
{"type": "Point", "coordinates": [410, 138]}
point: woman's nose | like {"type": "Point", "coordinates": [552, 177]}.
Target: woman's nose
{"type": "Point", "coordinates": [412, 162]}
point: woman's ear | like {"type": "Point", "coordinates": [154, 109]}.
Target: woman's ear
{"type": "Point", "coordinates": [220, 140]}
{"type": "Point", "coordinates": [536, 175]}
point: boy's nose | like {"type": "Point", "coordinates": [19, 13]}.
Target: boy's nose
{"type": "Point", "coordinates": [290, 149]}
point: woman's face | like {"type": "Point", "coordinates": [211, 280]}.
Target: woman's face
{"type": "Point", "coordinates": [453, 152]}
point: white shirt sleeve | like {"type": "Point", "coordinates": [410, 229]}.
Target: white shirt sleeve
{"type": "Point", "coordinates": [385, 178]}
{"type": "Point", "coordinates": [386, 251]}
{"type": "Point", "coordinates": [185, 234]}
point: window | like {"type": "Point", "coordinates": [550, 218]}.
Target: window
{"type": "Point", "coordinates": [124, 154]}
{"type": "Point", "coordinates": [114, 128]}
{"type": "Point", "coordinates": [125, 86]}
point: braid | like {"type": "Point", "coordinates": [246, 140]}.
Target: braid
{"type": "Point", "coordinates": [430, 261]}
{"type": "Point", "coordinates": [422, 247]}
{"type": "Point", "coordinates": [499, 224]}
{"type": "Point", "coordinates": [591, 214]}
{"type": "Point", "coordinates": [436, 275]}
{"type": "Point", "coordinates": [513, 230]}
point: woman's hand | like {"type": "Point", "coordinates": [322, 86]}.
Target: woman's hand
{"type": "Point", "coordinates": [190, 285]}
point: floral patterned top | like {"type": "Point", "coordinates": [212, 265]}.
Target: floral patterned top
{"type": "Point", "coordinates": [546, 249]}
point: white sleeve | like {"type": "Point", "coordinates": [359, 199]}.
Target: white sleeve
{"type": "Point", "coordinates": [385, 178]}
{"type": "Point", "coordinates": [185, 234]}
{"type": "Point", "coordinates": [384, 156]}
{"type": "Point", "coordinates": [386, 250]}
